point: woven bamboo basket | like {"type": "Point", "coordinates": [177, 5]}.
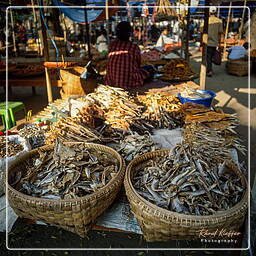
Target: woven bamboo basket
{"type": "Point", "coordinates": [237, 67]}
{"type": "Point", "coordinates": [72, 84]}
{"type": "Point", "coordinates": [158, 224]}
{"type": "Point", "coordinates": [75, 215]}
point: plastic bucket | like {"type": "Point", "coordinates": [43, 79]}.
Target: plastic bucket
{"type": "Point", "coordinates": [206, 101]}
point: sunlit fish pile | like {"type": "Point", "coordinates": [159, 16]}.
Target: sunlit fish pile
{"type": "Point", "coordinates": [164, 110]}
{"type": "Point", "coordinates": [68, 172]}
{"type": "Point", "coordinates": [119, 108]}
{"type": "Point", "coordinates": [11, 150]}
{"type": "Point", "coordinates": [194, 94]}
{"type": "Point", "coordinates": [188, 185]}
{"type": "Point", "coordinates": [35, 135]}
{"type": "Point", "coordinates": [135, 145]}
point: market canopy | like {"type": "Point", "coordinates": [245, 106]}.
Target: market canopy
{"type": "Point", "coordinates": [96, 14]}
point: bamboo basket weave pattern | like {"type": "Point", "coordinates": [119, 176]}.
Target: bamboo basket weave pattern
{"type": "Point", "coordinates": [237, 67]}
{"type": "Point", "coordinates": [75, 215]}
{"type": "Point", "coordinates": [72, 83]}
{"type": "Point", "coordinates": [158, 224]}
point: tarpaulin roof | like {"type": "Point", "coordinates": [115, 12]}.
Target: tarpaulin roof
{"type": "Point", "coordinates": [77, 14]}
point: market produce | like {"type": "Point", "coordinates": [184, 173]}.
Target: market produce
{"type": "Point", "coordinates": [151, 55]}
{"type": "Point", "coordinates": [11, 150]}
{"type": "Point", "coordinates": [35, 134]}
{"type": "Point", "coordinates": [68, 172]}
{"type": "Point", "coordinates": [186, 184]}
{"type": "Point", "coordinates": [176, 69]}
{"type": "Point", "coordinates": [71, 129]}
{"type": "Point", "coordinates": [163, 109]}
{"type": "Point", "coordinates": [135, 145]}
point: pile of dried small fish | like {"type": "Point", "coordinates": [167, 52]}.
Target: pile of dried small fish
{"type": "Point", "coordinates": [12, 148]}
{"type": "Point", "coordinates": [35, 134]}
{"type": "Point", "coordinates": [118, 108]}
{"type": "Point", "coordinates": [163, 109]}
{"type": "Point", "coordinates": [68, 172]}
{"type": "Point", "coordinates": [194, 94]}
{"type": "Point", "coordinates": [135, 145]}
{"type": "Point", "coordinates": [71, 129]}
{"type": "Point", "coordinates": [186, 184]}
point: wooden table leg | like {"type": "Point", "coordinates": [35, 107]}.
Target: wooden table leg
{"type": "Point", "coordinates": [33, 90]}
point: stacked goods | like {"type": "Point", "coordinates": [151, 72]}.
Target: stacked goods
{"type": "Point", "coordinates": [71, 129]}
{"type": "Point", "coordinates": [12, 149]}
{"type": "Point", "coordinates": [163, 109]}
{"type": "Point", "coordinates": [135, 145]}
{"type": "Point", "coordinates": [68, 186]}
{"type": "Point", "coordinates": [177, 69]}
{"type": "Point", "coordinates": [67, 172]}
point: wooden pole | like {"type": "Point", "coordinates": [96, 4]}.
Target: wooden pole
{"type": "Point", "coordinates": [226, 32]}
{"type": "Point", "coordinates": [242, 22]}
{"type": "Point", "coordinates": [204, 45]}
{"type": "Point", "coordinates": [107, 19]}
{"type": "Point", "coordinates": [13, 33]}
{"type": "Point", "coordinates": [46, 57]}
{"type": "Point", "coordinates": [187, 35]}
{"type": "Point", "coordinates": [87, 32]}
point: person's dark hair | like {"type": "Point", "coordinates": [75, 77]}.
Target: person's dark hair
{"type": "Point", "coordinates": [246, 45]}
{"type": "Point", "coordinates": [123, 31]}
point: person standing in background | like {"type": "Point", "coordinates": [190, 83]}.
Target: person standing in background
{"type": "Point", "coordinates": [215, 31]}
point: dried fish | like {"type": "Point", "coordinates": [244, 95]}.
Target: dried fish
{"type": "Point", "coordinates": [11, 150]}
{"type": "Point", "coordinates": [68, 172]}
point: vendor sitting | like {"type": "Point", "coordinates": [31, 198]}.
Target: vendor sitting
{"type": "Point", "coordinates": [124, 61]}
{"type": "Point", "coordinates": [238, 52]}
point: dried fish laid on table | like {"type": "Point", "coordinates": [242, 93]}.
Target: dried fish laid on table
{"type": "Point", "coordinates": [35, 134]}
{"type": "Point", "coordinates": [12, 148]}
{"type": "Point", "coordinates": [188, 185]}
{"type": "Point", "coordinates": [71, 129]}
{"type": "Point", "coordinates": [163, 109]}
{"type": "Point", "coordinates": [118, 108]}
{"type": "Point", "coordinates": [134, 145]}
{"type": "Point", "coordinates": [68, 172]}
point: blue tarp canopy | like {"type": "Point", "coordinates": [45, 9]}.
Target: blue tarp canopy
{"type": "Point", "coordinates": [77, 14]}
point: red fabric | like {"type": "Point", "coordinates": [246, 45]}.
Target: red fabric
{"type": "Point", "coordinates": [123, 68]}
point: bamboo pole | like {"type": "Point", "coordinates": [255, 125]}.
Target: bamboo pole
{"type": "Point", "coordinates": [226, 32]}
{"type": "Point", "coordinates": [242, 22]}
{"type": "Point", "coordinates": [46, 56]}
{"type": "Point", "coordinates": [204, 45]}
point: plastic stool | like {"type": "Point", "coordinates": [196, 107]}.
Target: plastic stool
{"type": "Point", "coordinates": [13, 107]}
{"type": "Point", "coordinates": [6, 120]}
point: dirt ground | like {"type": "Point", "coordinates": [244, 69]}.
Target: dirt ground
{"type": "Point", "coordinates": [232, 95]}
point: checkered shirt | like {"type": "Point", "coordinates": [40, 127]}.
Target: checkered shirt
{"type": "Point", "coordinates": [123, 68]}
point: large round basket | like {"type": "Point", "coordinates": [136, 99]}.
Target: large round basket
{"type": "Point", "coordinates": [237, 67]}
{"type": "Point", "coordinates": [75, 215]}
{"type": "Point", "coordinates": [158, 224]}
{"type": "Point", "coordinates": [72, 84]}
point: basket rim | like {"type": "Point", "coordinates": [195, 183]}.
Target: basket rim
{"type": "Point", "coordinates": [89, 197]}
{"type": "Point", "coordinates": [162, 152]}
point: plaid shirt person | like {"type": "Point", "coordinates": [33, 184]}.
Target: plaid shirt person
{"type": "Point", "coordinates": [123, 68]}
